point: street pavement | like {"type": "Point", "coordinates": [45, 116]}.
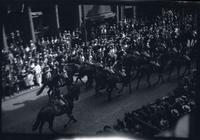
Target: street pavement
{"type": "Point", "coordinates": [92, 112]}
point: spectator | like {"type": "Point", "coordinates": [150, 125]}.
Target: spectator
{"type": "Point", "coordinates": [38, 73]}
{"type": "Point", "coordinates": [29, 79]}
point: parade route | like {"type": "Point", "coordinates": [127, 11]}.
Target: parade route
{"type": "Point", "coordinates": [92, 112]}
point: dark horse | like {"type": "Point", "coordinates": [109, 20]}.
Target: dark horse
{"type": "Point", "coordinates": [72, 69]}
{"type": "Point", "coordinates": [177, 61]}
{"type": "Point", "coordinates": [107, 80]}
{"type": "Point", "coordinates": [132, 62]}
{"type": "Point", "coordinates": [86, 69]}
{"type": "Point", "coordinates": [147, 69]}
{"type": "Point", "coordinates": [54, 108]}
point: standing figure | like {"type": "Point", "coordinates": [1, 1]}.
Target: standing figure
{"type": "Point", "coordinates": [38, 74]}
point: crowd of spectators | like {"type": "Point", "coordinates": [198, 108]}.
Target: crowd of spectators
{"type": "Point", "coordinates": [25, 62]}
{"type": "Point", "coordinates": [161, 115]}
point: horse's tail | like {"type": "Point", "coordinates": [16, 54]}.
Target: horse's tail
{"type": "Point", "coordinates": [37, 123]}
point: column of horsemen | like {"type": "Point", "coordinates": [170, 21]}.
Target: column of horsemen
{"type": "Point", "coordinates": [121, 53]}
{"type": "Point", "coordinates": [129, 51]}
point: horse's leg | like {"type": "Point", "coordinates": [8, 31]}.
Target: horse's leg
{"type": "Point", "coordinates": [96, 89]}
{"type": "Point", "coordinates": [129, 86]}
{"type": "Point", "coordinates": [51, 125]}
{"type": "Point", "coordinates": [162, 78]}
{"type": "Point", "coordinates": [148, 79]}
{"type": "Point", "coordinates": [76, 81]}
{"type": "Point", "coordinates": [71, 118]}
{"type": "Point", "coordinates": [185, 70]}
{"type": "Point", "coordinates": [178, 70]}
{"type": "Point", "coordinates": [41, 126]}
{"type": "Point", "coordinates": [189, 65]}
{"type": "Point", "coordinates": [89, 82]}
{"type": "Point", "coordinates": [169, 73]}
{"type": "Point", "coordinates": [139, 79]}
{"type": "Point", "coordinates": [136, 75]}
{"type": "Point", "coordinates": [159, 77]}
{"type": "Point", "coordinates": [122, 88]}
{"type": "Point", "coordinates": [109, 91]}
{"type": "Point", "coordinates": [67, 123]}
{"type": "Point", "coordinates": [132, 75]}
{"type": "Point", "coordinates": [49, 95]}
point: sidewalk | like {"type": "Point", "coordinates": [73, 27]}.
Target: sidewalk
{"type": "Point", "coordinates": [20, 93]}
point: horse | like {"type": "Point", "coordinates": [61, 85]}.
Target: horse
{"type": "Point", "coordinates": [54, 108]}
{"type": "Point", "coordinates": [128, 62]}
{"type": "Point", "coordinates": [88, 70]}
{"type": "Point", "coordinates": [173, 62]}
{"type": "Point", "coordinates": [104, 79]}
{"type": "Point", "coordinates": [179, 60]}
{"type": "Point", "coordinates": [133, 62]}
{"type": "Point", "coordinates": [185, 61]}
{"type": "Point", "coordinates": [147, 70]}
{"type": "Point", "coordinates": [72, 69]}
{"type": "Point", "coordinates": [164, 60]}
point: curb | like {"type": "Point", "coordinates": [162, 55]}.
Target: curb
{"type": "Point", "coordinates": [15, 95]}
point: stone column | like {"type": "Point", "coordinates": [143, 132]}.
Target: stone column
{"type": "Point", "coordinates": [117, 14]}
{"type": "Point", "coordinates": [57, 19]}
{"type": "Point", "coordinates": [122, 12]}
{"type": "Point", "coordinates": [5, 45]}
{"type": "Point", "coordinates": [84, 22]}
{"type": "Point", "coordinates": [134, 12]}
{"type": "Point", "coordinates": [57, 16]}
{"type": "Point", "coordinates": [80, 15]}
{"type": "Point", "coordinates": [31, 24]}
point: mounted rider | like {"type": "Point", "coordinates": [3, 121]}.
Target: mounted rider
{"type": "Point", "coordinates": [59, 101]}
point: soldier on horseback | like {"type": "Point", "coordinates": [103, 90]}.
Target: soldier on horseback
{"type": "Point", "coordinates": [62, 102]}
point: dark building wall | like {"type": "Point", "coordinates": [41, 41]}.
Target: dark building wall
{"type": "Point", "coordinates": [68, 16]}
{"type": "Point", "coordinates": [148, 11]}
